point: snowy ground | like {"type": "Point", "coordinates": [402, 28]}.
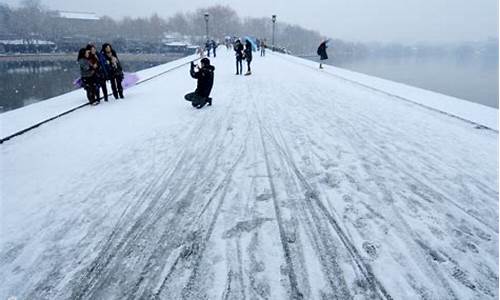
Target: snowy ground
{"type": "Point", "coordinates": [295, 184]}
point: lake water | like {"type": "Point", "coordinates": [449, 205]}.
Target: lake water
{"type": "Point", "coordinates": [28, 80]}
{"type": "Point", "coordinates": [473, 79]}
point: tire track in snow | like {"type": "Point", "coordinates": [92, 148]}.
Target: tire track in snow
{"type": "Point", "coordinates": [292, 276]}
{"type": "Point", "coordinates": [190, 259]}
{"type": "Point", "coordinates": [391, 160]}
{"type": "Point", "coordinates": [312, 195]}
{"type": "Point", "coordinates": [160, 248]}
{"type": "Point", "coordinates": [221, 192]}
{"type": "Point", "coordinates": [112, 246]}
{"type": "Point", "coordinates": [433, 272]}
{"type": "Point", "coordinates": [315, 208]}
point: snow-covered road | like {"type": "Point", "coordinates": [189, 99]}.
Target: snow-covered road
{"type": "Point", "coordinates": [294, 184]}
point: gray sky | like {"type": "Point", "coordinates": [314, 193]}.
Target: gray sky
{"type": "Point", "coordinates": [406, 21]}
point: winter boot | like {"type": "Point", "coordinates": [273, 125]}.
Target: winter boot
{"type": "Point", "coordinates": [209, 101]}
{"type": "Point", "coordinates": [248, 73]}
{"type": "Point", "coordinates": [121, 94]}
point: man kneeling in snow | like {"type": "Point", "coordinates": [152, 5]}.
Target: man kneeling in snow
{"type": "Point", "coordinates": [205, 76]}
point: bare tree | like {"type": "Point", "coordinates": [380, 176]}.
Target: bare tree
{"type": "Point", "coordinates": [223, 20]}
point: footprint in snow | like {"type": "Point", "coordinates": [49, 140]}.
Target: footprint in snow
{"type": "Point", "coordinates": [245, 226]}
{"type": "Point", "coordinates": [264, 197]}
{"type": "Point", "coordinates": [371, 249]}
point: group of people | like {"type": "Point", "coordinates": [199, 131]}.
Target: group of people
{"type": "Point", "coordinates": [205, 72]}
{"type": "Point", "coordinates": [211, 45]}
{"type": "Point", "coordinates": [96, 68]}
{"type": "Point", "coordinates": [243, 52]}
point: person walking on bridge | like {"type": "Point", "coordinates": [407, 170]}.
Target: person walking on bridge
{"type": "Point", "coordinates": [263, 47]}
{"type": "Point", "coordinates": [205, 76]}
{"type": "Point", "coordinates": [214, 47]}
{"type": "Point", "coordinates": [208, 46]}
{"type": "Point", "coordinates": [322, 53]}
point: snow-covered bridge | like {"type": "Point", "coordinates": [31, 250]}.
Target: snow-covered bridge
{"type": "Point", "coordinates": [296, 183]}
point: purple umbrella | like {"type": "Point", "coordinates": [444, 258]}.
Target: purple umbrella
{"type": "Point", "coordinates": [129, 79]}
{"type": "Point", "coordinates": [78, 82]}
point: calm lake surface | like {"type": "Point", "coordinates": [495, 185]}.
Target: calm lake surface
{"type": "Point", "coordinates": [473, 79]}
{"type": "Point", "coordinates": [25, 81]}
{"type": "Point", "coordinates": [28, 80]}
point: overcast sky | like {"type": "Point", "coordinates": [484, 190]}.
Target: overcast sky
{"type": "Point", "coordinates": [406, 21]}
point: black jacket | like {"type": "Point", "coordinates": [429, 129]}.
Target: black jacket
{"type": "Point", "coordinates": [114, 70]}
{"type": "Point", "coordinates": [322, 51]}
{"type": "Point", "coordinates": [86, 70]}
{"type": "Point", "coordinates": [205, 78]}
{"type": "Point", "coordinates": [248, 51]}
{"type": "Point", "coordinates": [238, 48]}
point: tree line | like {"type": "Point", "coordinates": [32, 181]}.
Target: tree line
{"type": "Point", "coordinates": [33, 21]}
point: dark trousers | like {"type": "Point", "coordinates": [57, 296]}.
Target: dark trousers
{"type": "Point", "coordinates": [90, 88]}
{"type": "Point", "coordinates": [101, 84]}
{"type": "Point", "coordinates": [262, 51]}
{"type": "Point", "coordinates": [116, 86]}
{"type": "Point", "coordinates": [215, 53]}
{"type": "Point", "coordinates": [248, 66]}
{"type": "Point", "coordinates": [239, 66]}
{"type": "Point", "coordinates": [195, 99]}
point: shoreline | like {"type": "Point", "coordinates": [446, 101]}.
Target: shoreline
{"type": "Point", "coordinates": [72, 56]}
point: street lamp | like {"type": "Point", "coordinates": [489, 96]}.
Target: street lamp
{"type": "Point", "coordinates": [274, 23]}
{"type": "Point", "coordinates": [206, 23]}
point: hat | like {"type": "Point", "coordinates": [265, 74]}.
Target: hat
{"type": "Point", "coordinates": [205, 61]}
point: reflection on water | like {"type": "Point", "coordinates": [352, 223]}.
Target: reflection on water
{"type": "Point", "coordinates": [28, 82]}
{"type": "Point", "coordinates": [470, 78]}
{"type": "Point", "coordinates": [31, 69]}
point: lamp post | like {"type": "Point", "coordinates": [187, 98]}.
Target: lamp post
{"type": "Point", "coordinates": [206, 23]}
{"type": "Point", "coordinates": [274, 23]}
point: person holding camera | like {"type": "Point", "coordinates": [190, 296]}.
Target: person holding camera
{"type": "Point", "coordinates": [205, 76]}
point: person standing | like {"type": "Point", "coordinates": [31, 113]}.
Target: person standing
{"type": "Point", "coordinates": [87, 75]}
{"type": "Point", "coordinates": [248, 57]}
{"type": "Point", "coordinates": [114, 70]}
{"type": "Point", "coordinates": [205, 77]}
{"type": "Point", "coordinates": [322, 53]}
{"type": "Point", "coordinates": [238, 49]}
{"type": "Point", "coordinates": [97, 60]}
{"type": "Point", "coordinates": [208, 45]}
{"type": "Point", "coordinates": [214, 47]}
{"type": "Point", "coordinates": [263, 47]}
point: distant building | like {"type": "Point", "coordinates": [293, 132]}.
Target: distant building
{"type": "Point", "coordinates": [73, 15]}
{"type": "Point", "coordinates": [23, 46]}
{"type": "Point", "coordinates": [75, 29]}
